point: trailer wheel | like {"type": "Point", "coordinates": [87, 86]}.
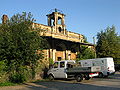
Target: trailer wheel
{"type": "Point", "coordinates": [79, 78]}
{"type": "Point", "coordinates": [86, 76]}
{"type": "Point", "coordinates": [50, 77]}
{"type": "Point", "coordinates": [101, 75]}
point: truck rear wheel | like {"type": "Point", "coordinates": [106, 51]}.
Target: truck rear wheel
{"type": "Point", "coordinates": [79, 78]}
{"type": "Point", "coordinates": [50, 77]}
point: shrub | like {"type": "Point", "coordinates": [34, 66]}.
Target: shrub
{"type": "Point", "coordinates": [17, 78]}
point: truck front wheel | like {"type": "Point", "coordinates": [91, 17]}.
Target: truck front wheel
{"type": "Point", "coordinates": [79, 78]}
{"type": "Point", "coordinates": [100, 75]}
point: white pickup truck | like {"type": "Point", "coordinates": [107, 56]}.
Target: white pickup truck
{"type": "Point", "coordinates": [68, 69]}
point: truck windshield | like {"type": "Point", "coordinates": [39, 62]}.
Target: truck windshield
{"type": "Point", "coordinates": [62, 64]}
{"type": "Point", "coordinates": [55, 65]}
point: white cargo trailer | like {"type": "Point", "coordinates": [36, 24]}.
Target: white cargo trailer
{"type": "Point", "coordinates": [106, 64]}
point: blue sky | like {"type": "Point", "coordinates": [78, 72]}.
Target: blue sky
{"type": "Point", "coordinates": [87, 17]}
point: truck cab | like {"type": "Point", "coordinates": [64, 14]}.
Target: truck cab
{"type": "Point", "coordinates": [58, 70]}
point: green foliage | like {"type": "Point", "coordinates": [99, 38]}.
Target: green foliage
{"type": "Point", "coordinates": [2, 67]}
{"type": "Point", "coordinates": [24, 73]}
{"type": "Point", "coordinates": [17, 78]}
{"type": "Point", "coordinates": [7, 84]}
{"type": "Point", "coordinates": [85, 39]}
{"type": "Point", "coordinates": [19, 46]}
{"type": "Point", "coordinates": [117, 60]}
{"type": "Point", "coordinates": [51, 61]}
{"type": "Point", "coordinates": [108, 44]}
{"type": "Point", "coordinates": [85, 53]}
{"type": "Point", "coordinates": [2, 71]}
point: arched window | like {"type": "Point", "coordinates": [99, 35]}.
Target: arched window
{"type": "Point", "coordinates": [59, 20]}
{"type": "Point", "coordinates": [60, 29]}
{"type": "Point", "coordinates": [52, 22]}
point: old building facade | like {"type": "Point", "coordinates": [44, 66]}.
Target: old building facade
{"type": "Point", "coordinates": [62, 44]}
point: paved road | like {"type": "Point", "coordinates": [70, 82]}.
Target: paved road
{"type": "Point", "coordinates": [111, 83]}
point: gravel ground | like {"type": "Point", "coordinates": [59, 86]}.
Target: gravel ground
{"type": "Point", "coordinates": [111, 83]}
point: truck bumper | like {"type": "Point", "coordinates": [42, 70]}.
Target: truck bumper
{"type": "Point", "coordinates": [93, 74]}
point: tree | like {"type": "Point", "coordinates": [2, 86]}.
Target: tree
{"type": "Point", "coordinates": [108, 44]}
{"type": "Point", "coordinates": [19, 44]}
{"type": "Point", "coordinates": [85, 53]}
{"type": "Point", "coordinates": [85, 39]}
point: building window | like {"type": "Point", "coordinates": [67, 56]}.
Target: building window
{"type": "Point", "coordinates": [59, 58]}
{"type": "Point", "coordinates": [59, 20]}
{"type": "Point", "coordinates": [52, 22]}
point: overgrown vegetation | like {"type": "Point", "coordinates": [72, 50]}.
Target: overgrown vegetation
{"type": "Point", "coordinates": [8, 84]}
{"type": "Point", "coordinates": [108, 44]}
{"type": "Point", "coordinates": [19, 49]}
{"type": "Point", "coordinates": [85, 53]}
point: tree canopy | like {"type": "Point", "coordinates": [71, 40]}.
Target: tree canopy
{"type": "Point", "coordinates": [19, 44]}
{"type": "Point", "coordinates": [86, 53]}
{"type": "Point", "coordinates": [108, 44]}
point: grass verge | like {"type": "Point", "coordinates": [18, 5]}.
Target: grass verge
{"type": "Point", "coordinates": [7, 84]}
{"type": "Point", "coordinates": [14, 84]}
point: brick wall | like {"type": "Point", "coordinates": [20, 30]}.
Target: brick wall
{"type": "Point", "coordinates": [59, 54]}
{"type": "Point", "coordinates": [73, 56]}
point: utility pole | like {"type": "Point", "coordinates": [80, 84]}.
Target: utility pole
{"type": "Point", "coordinates": [94, 42]}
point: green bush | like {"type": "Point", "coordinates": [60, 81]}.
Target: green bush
{"type": "Point", "coordinates": [23, 74]}
{"type": "Point", "coordinates": [17, 78]}
{"type": "Point", "coordinates": [2, 66]}
{"type": "Point", "coordinates": [7, 84]}
{"type": "Point", "coordinates": [19, 49]}
{"type": "Point", "coordinates": [85, 53]}
{"type": "Point", "coordinates": [3, 73]}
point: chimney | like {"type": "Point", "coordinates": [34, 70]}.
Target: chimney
{"type": "Point", "coordinates": [4, 19]}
